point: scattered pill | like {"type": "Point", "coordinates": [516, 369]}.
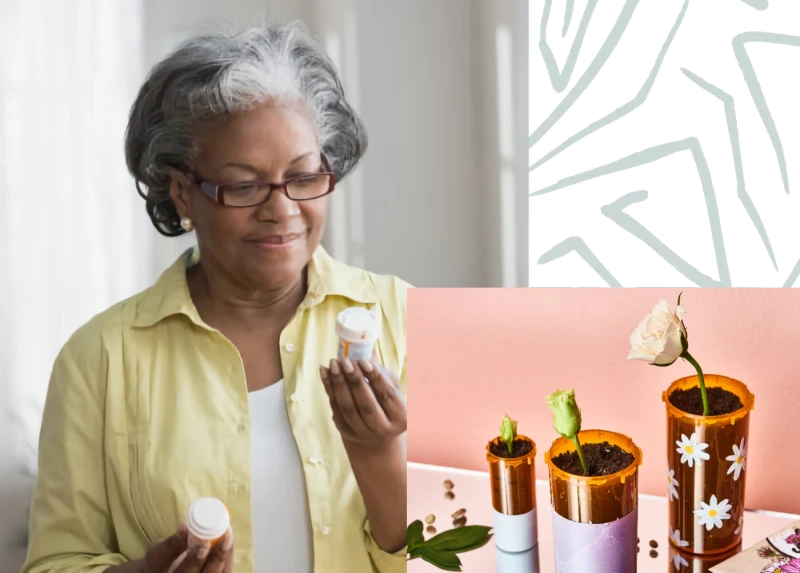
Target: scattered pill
{"type": "Point", "coordinates": [459, 513]}
{"type": "Point", "coordinates": [430, 519]}
{"type": "Point", "coordinates": [653, 543]}
{"type": "Point", "coordinates": [460, 522]}
{"type": "Point", "coordinates": [448, 484]}
{"type": "Point", "coordinates": [449, 495]}
{"type": "Point", "coordinates": [431, 529]}
{"type": "Point", "coordinates": [653, 553]}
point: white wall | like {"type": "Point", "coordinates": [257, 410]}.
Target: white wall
{"type": "Point", "coordinates": [425, 202]}
{"type": "Point", "coordinates": [424, 76]}
{"type": "Point", "coordinates": [420, 189]}
{"type": "Point", "coordinates": [499, 50]}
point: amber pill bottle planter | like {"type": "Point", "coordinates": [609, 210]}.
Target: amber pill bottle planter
{"type": "Point", "coordinates": [513, 485]}
{"type": "Point", "coordinates": [721, 476]}
{"type": "Point", "coordinates": [358, 329]}
{"type": "Point", "coordinates": [207, 520]}
{"type": "Point", "coordinates": [594, 518]}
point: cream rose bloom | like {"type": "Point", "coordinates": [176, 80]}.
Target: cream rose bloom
{"type": "Point", "coordinates": [657, 339]}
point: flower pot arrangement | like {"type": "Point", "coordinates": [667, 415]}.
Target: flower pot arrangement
{"type": "Point", "coordinates": [513, 483]}
{"type": "Point", "coordinates": [708, 418]}
{"type": "Point", "coordinates": [593, 492]}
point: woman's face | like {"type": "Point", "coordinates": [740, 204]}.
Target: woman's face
{"type": "Point", "coordinates": [269, 245]}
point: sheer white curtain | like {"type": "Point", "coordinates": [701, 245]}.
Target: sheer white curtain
{"type": "Point", "coordinates": [74, 237]}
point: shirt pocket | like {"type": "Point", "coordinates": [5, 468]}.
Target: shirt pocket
{"type": "Point", "coordinates": [131, 533]}
{"type": "Point", "coordinates": [186, 445]}
{"type": "Point", "coordinates": [145, 508]}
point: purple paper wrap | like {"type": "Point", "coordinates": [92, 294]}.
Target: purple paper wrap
{"type": "Point", "coordinates": [595, 547]}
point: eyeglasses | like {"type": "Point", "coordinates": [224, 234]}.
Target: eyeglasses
{"type": "Point", "coordinates": [251, 193]}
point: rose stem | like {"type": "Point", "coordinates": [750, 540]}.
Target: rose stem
{"type": "Point", "coordinates": [702, 380]}
{"type": "Point", "coordinates": [577, 443]}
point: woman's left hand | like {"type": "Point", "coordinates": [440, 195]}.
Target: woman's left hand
{"type": "Point", "coordinates": [368, 406]}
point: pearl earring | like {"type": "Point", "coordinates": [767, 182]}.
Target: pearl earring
{"type": "Point", "coordinates": [186, 224]}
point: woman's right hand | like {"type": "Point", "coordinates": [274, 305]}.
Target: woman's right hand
{"type": "Point", "coordinates": [170, 556]}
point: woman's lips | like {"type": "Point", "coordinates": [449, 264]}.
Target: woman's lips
{"type": "Point", "coordinates": [277, 241]}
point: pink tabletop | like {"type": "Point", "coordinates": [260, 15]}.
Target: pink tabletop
{"type": "Point", "coordinates": [426, 496]}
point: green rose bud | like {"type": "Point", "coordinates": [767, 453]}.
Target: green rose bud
{"type": "Point", "coordinates": [508, 431]}
{"type": "Point", "coordinates": [567, 419]}
{"type": "Point", "coordinates": [566, 415]}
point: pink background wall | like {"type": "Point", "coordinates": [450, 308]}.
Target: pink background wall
{"type": "Point", "coordinates": [477, 354]}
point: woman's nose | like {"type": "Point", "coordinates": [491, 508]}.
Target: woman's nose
{"type": "Point", "coordinates": [278, 206]}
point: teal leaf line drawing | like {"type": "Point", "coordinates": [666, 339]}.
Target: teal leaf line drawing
{"type": "Point", "coordinates": [656, 153]}
{"type": "Point", "coordinates": [733, 133]}
{"type": "Point", "coordinates": [750, 78]}
{"type": "Point", "coordinates": [560, 79]}
{"type": "Point", "coordinates": [580, 247]}
{"type": "Point", "coordinates": [792, 276]}
{"type": "Point", "coordinates": [757, 4]}
{"type": "Point", "coordinates": [567, 17]}
{"type": "Point", "coordinates": [599, 61]}
{"type": "Point", "coordinates": [571, 86]}
{"type": "Point", "coordinates": [616, 212]}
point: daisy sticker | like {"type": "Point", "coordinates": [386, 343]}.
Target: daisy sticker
{"type": "Point", "coordinates": [691, 450]}
{"type": "Point", "coordinates": [677, 559]}
{"type": "Point", "coordinates": [672, 483]}
{"type": "Point", "coordinates": [675, 538]}
{"type": "Point", "coordinates": [739, 458]}
{"type": "Point", "coordinates": [712, 513]}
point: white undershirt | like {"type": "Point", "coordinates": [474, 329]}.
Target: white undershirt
{"type": "Point", "coordinates": [282, 534]}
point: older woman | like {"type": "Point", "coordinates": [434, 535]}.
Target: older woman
{"type": "Point", "coordinates": [221, 379]}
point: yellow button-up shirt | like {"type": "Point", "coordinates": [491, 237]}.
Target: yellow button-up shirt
{"type": "Point", "coordinates": [147, 410]}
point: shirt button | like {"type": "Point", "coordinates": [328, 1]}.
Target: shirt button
{"type": "Point", "coordinates": [324, 530]}
{"type": "Point", "coordinates": [242, 428]}
{"type": "Point", "coordinates": [289, 347]}
{"type": "Point", "coordinates": [315, 460]}
{"type": "Point", "coordinates": [294, 397]}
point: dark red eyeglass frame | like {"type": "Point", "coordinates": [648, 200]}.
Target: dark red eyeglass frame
{"type": "Point", "coordinates": [216, 192]}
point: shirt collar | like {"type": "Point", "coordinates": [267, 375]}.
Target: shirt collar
{"type": "Point", "coordinates": [326, 277]}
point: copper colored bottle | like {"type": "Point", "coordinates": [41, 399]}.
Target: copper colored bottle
{"type": "Point", "coordinates": [513, 498]}
{"type": "Point", "coordinates": [706, 470]}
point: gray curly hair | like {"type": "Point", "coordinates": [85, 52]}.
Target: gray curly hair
{"type": "Point", "coordinates": [219, 73]}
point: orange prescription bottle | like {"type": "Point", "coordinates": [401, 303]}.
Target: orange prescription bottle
{"type": "Point", "coordinates": [207, 520]}
{"type": "Point", "coordinates": [358, 329]}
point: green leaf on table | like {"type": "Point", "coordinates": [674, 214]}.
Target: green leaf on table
{"type": "Point", "coordinates": [442, 559]}
{"type": "Point", "coordinates": [461, 539]}
{"type": "Point", "coordinates": [414, 535]}
{"type": "Point", "coordinates": [441, 549]}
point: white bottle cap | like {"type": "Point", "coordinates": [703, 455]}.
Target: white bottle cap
{"type": "Point", "coordinates": [208, 518]}
{"type": "Point", "coordinates": [358, 324]}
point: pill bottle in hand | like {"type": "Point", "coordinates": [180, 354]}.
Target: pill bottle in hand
{"type": "Point", "coordinates": [358, 329]}
{"type": "Point", "coordinates": [207, 521]}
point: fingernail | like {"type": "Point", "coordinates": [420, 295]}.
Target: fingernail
{"type": "Point", "coordinates": [202, 553]}
{"type": "Point", "coordinates": [323, 373]}
{"type": "Point", "coordinates": [334, 368]}
{"type": "Point", "coordinates": [348, 366]}
{"type": "Point", "coordinates": [228, 542]}
{"type": "Point", "coordinates": [366, 366]}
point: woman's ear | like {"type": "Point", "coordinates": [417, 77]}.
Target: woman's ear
{"type": "Point", "coordinates": [179, 190]}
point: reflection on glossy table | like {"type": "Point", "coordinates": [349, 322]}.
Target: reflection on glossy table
{"type": "Point", "coordinates": [426, 496]}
